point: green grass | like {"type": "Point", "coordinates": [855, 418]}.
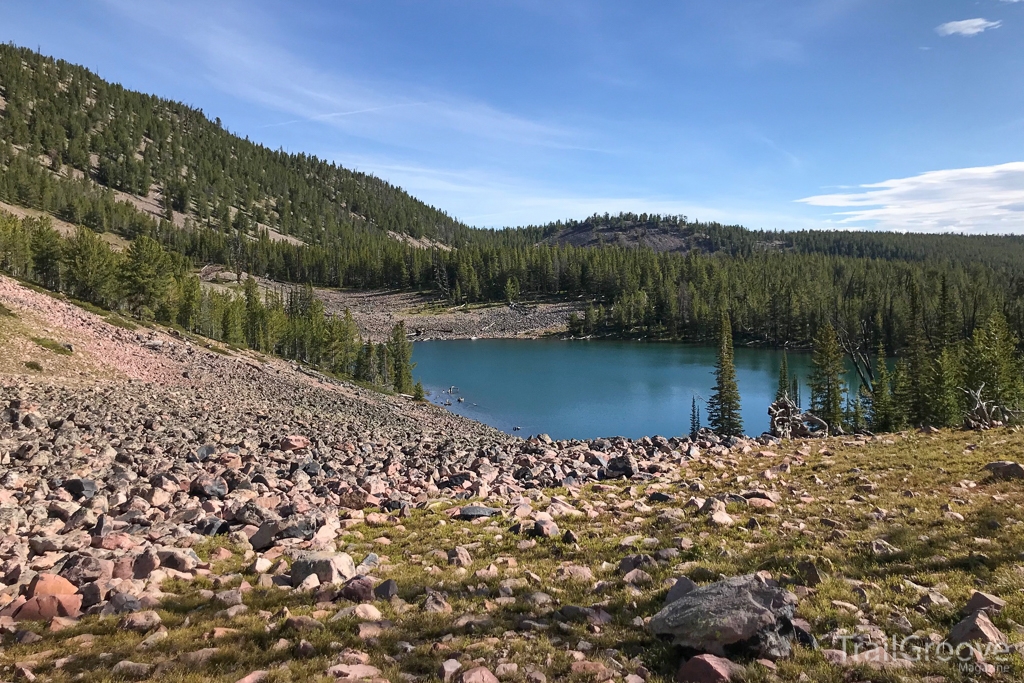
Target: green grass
{"type": "Point", "coordinates": [52, 345]}
{"type": "Point", "coordinates": [118, 321]}
{"type": "Point", "coordinates": [985, 551]}
{"type": "Point", "coordinates": [33, 365]}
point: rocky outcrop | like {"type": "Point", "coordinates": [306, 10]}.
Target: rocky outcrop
{"type": "Point", "coordinates": [740, 616]}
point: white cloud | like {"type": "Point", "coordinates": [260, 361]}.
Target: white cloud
{"type": "Point", "coordinates": [985, 199]}
{"type": "Point", "coordinates": [967, 27]}
{"type": "Point", "coordinates": [236, 47]}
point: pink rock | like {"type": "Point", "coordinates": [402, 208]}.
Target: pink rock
{"type": "Point", "coordinates": [353, 672]}
{"type": "Point", "coordinates": [478, 674]}
{"type": "Point", "coordinates": [254, 677]}
{"type": "Point", "coordinates": [50, 584]}
{"type": "Point", "coordinates": [293, 442]}
{"type": "Point", "coordinates": [48, 607]}
{"type": "Point", "coordinates": [707, 669]}
{"type": "Point", "coordinates": [114, 541]}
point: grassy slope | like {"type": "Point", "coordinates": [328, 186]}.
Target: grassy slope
{"type": "Point", "coordinates": [982, 552]}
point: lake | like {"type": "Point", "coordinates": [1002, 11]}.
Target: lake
{"type": "Point", "coordinates": [573, 389]}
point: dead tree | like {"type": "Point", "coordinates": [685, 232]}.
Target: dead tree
{"type": "Point", "coordinates": [858, 355]}
{"type": "Point", "coordinates": [789, 422]}
{"type": "Point", "coordinates": [986, 414]}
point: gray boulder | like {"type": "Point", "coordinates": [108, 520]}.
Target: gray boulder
{"type": "Point", "coordinates": [1006, 469]}
{"type": "Point", "coordinates": [739, 616]}
{"type": "Point", "coordinates": [328, 567]}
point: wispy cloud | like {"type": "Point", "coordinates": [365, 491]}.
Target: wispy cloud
{"type": "Point", "coordinates": [235, 46]}
{"type": "Point", "coordinates": [967, 27]}
{"type": "Point", "coordinates": [984, 199]}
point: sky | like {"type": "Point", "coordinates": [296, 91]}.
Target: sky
{"type": "Point", "coordinates": [856, 114]}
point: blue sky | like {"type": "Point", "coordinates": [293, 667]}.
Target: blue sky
{"type": "Point", "coordinates": [904, 115]}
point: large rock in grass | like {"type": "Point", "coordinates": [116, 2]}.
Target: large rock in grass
{"type": "Point", "coordinates": [328, 567]}
{"type": "Point", "coordinates": [740, 616]}
{"type": "Point", "coordinates": [1006, 469]}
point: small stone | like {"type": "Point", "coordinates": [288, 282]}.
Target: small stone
{"type": "Point", "coordinates": [129, 669]}
{"type": "Point", "coordinates": [448, 669]}
{"type": "Point", "coordinates": [478, 674]}
{"type": "Point", "coordinates": [140, 622]}
{"type": "Point", "coordinates": [708, 669]}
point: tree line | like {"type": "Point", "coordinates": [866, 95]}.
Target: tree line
{"type": "Point", "coordinates": [68, 140]}
{"type": "Point", "coordinates": [928, 386]}
{"type": "Point", "coordinates": [151, 283]}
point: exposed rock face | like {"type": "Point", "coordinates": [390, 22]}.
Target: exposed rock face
{"type": "Point", "coordinates": [739, 616]}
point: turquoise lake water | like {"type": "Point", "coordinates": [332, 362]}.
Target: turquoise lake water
{"type": "Point", "coordinates": [586, 389]}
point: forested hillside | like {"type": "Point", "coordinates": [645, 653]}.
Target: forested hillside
{"type": "Point", "coordinates": [93, 154]}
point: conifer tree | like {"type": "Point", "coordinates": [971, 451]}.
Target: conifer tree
{"type": "Point", "coordinates": [89, 268]}
{"type": "Point", "coordinates": [255, 315]}
{"type": "Point", "coordinates": [146, 276]}
{"type": "Point", "coordinates": [724, 405]}
{"type": "Point", "coordinates": [694, 418]}
{"type": "Point", "coordinates": [783, 386]}
{"type": "Point", "coordinates": [991, 359]}
{"type": "Point", "coordinates": [883, 410]}
{"type": "Point", "coordinates": [945, 395]}
{"type": "Point", "coordinates": [400, 351]}
{"type": "Point", "coordinates": [918, 363]}
{"type": "Point", "coordinates": [826, 381]}
{"type": "Point", "coordinates": [902, 396]}
{"type": "Point", "coordinates": [190, 300]}
{"type": "Point", "coordinates": [46, 254]}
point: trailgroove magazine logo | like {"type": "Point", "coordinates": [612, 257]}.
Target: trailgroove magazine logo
{"type": "Point", "coordinates": [985, 658]}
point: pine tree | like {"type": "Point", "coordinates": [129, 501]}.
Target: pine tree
{"type": "Point", "coordinates": [883, 410]}
{"type": "Point", "coordinates": [794, 392]}
{"type": "Point", "coordinates": [146, 276]}
{"type": "Point", "coordinates": [89, 268]}
{"type": "Point", "coordinates": [949, 324]}
{"type": "Point", "coordinates": [918, 363]}
{"type": "Point", "coordinates": [946, 397]}
{"type": "Point", "coordinates": [902, 396]}
{"type": "Point", "coordinates": [992, 360]}
{"type": "Point", "coordinates": [190, 300]}
{"type": "Point", "coordinates": [783, 387]}
{"type": "Point", "coordinates": [826, 381]}
{"type": "Point", "coordinates": [255, 315]}
{"type": "Point", "coordinates": [857, 419]}
{"type": "Point", "coordinates": [694, 419]}
{"type": "Point", "coordinates": [724, 405]}
{"type": "Point", "coordinates": [46, 254]}
{"type": "Point", "coordinates": [400, 352]}
{"type": "Point", "coordinates": [417, 392]}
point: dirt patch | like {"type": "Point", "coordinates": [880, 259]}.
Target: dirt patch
{"type": "Point", "coordinates": [376, 312]}
{"type": "Point", "coordinates": [63, 227]}
{"type": "Point", "coordinates": [419, 243]}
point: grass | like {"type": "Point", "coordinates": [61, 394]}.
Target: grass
{"type": "Point", "coordinates": [984, 551]}
{"type": "Point", "coordinates": [118, 321]}
{"type": "Point", "coordinates": [6, 312]}
{"type": "Point", "coordinates": [52, 345]}
{"type": "Point", "coordinates": [34, 365]}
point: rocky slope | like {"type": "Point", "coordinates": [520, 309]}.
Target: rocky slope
{"type": "Point", "coordinates": [168, 512]}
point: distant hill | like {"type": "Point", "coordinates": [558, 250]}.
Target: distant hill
{"type": "Point", "coordinates": [678, 235]}
{"type": "Point", "coordinates": [170, 159]}
{"type": "Point", "coordinates": [94, 154]}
